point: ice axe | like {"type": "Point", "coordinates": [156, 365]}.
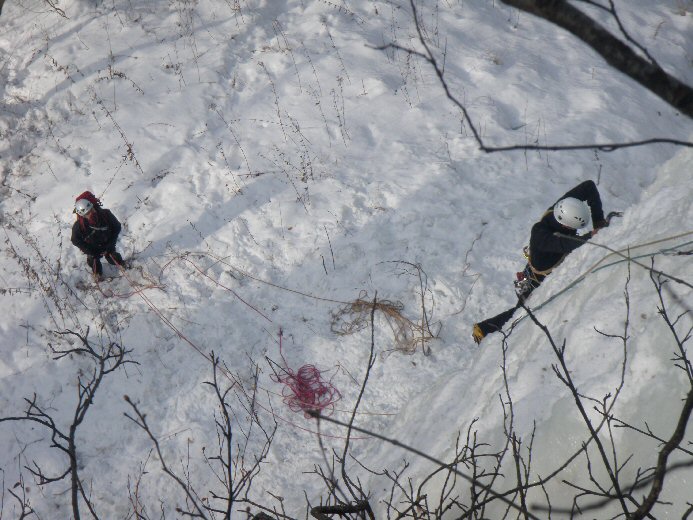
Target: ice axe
{"type": "Point", "coordinates": [611, 215]}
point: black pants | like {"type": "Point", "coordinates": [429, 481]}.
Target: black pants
{"type": "Point", "coordinates": [497, 322]}
{"type": "Point", "coordinates": [112, 258]}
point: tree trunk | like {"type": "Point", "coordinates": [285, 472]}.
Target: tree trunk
{"type": "Point", "coordinates": [614, 51]}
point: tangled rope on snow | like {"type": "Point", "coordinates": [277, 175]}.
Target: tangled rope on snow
{"type": "Point", "coordinates": [305, 389]}
{"type": "Point", "coordinates": [408, 336]}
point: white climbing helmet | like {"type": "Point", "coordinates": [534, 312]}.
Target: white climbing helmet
{"type": "Point", "coordinates": [571, 212]}
{"type": "Point", "coordinates": [83, 207]}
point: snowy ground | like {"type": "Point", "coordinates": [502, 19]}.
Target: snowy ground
{"type": "Point", "coordinates": [269, 164]}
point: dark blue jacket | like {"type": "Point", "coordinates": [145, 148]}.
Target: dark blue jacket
{"type": "Point", "coordinates": [546, 250]}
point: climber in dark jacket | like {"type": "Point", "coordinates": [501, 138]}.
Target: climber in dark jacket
{"type": "Point", "coordinates": [95, 233]}
{"type": "Point", "coordinates": [570, 213]}
{"type": "Point", "coordinates": [550, 242]}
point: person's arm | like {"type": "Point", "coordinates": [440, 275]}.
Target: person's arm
{"type": "Point", "coordinates": [114, 228]}
{"type": "Point", "coordinates": [78, 241]}
{"type": "Point", "coordinates": [546, 239]}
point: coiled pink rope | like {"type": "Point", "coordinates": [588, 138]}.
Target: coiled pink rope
{"type": "Point", "coordinates": [305, 390]}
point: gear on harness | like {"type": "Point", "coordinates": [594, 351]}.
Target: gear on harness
{"type": "Point", "coordinates": [523, 285]}
{"type": "Point", "coordinates": [528, 279]}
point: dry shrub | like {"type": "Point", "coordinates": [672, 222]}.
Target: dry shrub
{"type": "Point", "coordinates": [354, 317]}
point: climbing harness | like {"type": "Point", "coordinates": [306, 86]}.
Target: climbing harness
{"type": "Point", "coordinates": [626, 257]}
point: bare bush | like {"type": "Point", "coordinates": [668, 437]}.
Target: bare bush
{"type": "Point", "coordinates": [107, 359]}
{"type": "Point", "coordinates": [504, 478]}
{"type": "Point", "coordinates": [231, 462]}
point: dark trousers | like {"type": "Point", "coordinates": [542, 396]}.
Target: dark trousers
{"type": "Point", "coordinates": [497, 322]}
{"type": "Point", "coordinates": [112, 258]}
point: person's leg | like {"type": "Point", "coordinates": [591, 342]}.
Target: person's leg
{"type": "Point", "coordinates": [114, 258]}
{"type": "Point", "coordinates": [95, 265]}
{"type": "Point", "coordinates": [523, 288]}
{"type": "Point", "coordinates": [494, 324]}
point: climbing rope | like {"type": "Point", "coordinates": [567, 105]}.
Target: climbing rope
{"type": "Point", "coordinates": [270, 284]}
{"type": "Point", "coordinates": [137, 287]}
{"type": "Point", "coordinates": [625, 257]}
{"type": "Point", "coordinates": [216, 282]}
{"type": "Point", "coordinates": [321, 395]}
{"type": "Point", "coordinates": [307, 381]}
{"type": "Point", "coordinates": [305, 390]}
{"type": "Point", "coordinates": [352, 315]}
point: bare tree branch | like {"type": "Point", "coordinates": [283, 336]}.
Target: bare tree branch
{"type": "Point", "coordinates": [563, 373]}
{"type": "Point", "coordinates": [324, 512]}
{"type": "Point", "coordinates": [20, 496]}
{"type": "Point", "coordinates": [616, 53]}
{"type": "Point", "coordinates": [107, 360]}
{"type": "Point", "coordinates": [422, 454]}
{"type": "Point", "coordinates": [140, 420]}
{"type": "Point", "coordinates": [429, 56]}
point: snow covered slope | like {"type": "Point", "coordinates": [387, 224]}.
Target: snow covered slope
{"type": "Point", "coordinates": [270, 165]}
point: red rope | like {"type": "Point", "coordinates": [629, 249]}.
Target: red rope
{"type": "Point", "coordinates": [225, 288]}
{"type": "Point", "coordinates": [305, 390]}
{"type": "Point", "coordinates": [110, 293]}
{"type": "Point", "coordinates": [228, 375]}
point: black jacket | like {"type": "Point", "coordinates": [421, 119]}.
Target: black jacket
{"type": "Point", "coordinates": [97, 239]}
{"type": "Point", "coordinates": [546, 249]}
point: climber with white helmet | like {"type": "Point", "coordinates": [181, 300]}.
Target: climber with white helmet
{"type": "Point", "coordinates": [95, 233]}
{"type": "Point", "coordinates": [551, 240]}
